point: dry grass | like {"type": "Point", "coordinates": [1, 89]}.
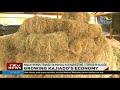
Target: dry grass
{"type": "Point", "coordinates": [7, 51]}
{"type": "Point", "coordinates": [18, 39]}
{"type": "Point", "coordinates": [39, 25]}
{"type": "Point", "coordinates": [74, 29]}
{"type": "Point", "coordinates": [78, 16]}
{"type": "Point", "coordinates": [40, 48]}
{"type": "Point", "coordinates": [117, 54]}
{"type": "Point", "coordinates": [116, 50]}
{"type": "Point", "coordinates": [93, 49]}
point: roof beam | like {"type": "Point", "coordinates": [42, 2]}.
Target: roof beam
{"type": "Point", "coordinates": [42, 13]}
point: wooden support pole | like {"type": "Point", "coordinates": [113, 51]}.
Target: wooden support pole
{"type": "Point", "coordinates": [95, 19]}
{"type": "Point", "coordinates": [111, 33]}
{"type": "Point", "coordinates": [35, 13]}
{"type": "Point", "coordinates": [57, 16]}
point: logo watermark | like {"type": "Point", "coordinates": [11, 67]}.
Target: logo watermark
{"type": "Point", "coordinates": [104, 21]}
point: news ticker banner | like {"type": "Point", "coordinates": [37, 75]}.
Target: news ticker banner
{"type": "Point", "coordinates": [21, 72]}
{"type": "Point", "coordinates": [57, 68]}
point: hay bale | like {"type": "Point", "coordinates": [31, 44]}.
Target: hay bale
{"type": "Point", "coordinates": [64, 57]}
{"type": "Point", "coordinates": [7, 51]}
{"type": "Point", "coordinates": [58, 41]}
{"type": "Point", "coordinates": [55, 43]}
{"type": "Point", "coordinates": [18, 40]}
{"type": "Point", "coordinates": [32, 76]}
{"type": "Point", "coordinates": [31, 42]}
{"type": "Point", "coordinates": [94, 31]}
{"type": "Point", "coordinates": [78, 16]}
{"type": "Point", "coordinates": [39, 24]}
{"type": "Point", "coordinates": [10, 76]}
{"type": "Point", "coordinates": [6, 43]}
{"type": "Point", "coordinates": [45, 40]}
{"type": "Point", "coordinates": [42, 48]}
{"type": "Point", "coordinates": [6, 58]}
{"type": "Point", "coordinates": [96, 50]}
{"type": "Point", "coordinates": [72, 76]}
{"type": "Point", "coordinates": [31, 53]}
{"type": "Point", "coordinates": [91, 37]}
{"type": "Point", "coordinates": [40, 43]}
{"type": "Point", "coordinates": [74, 29]}
{"type": "Point", "coordinates": [31, 58]}
{"type": "Point", "coordinates": [85, 48]}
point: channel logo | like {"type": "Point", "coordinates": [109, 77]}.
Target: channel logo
{"type": "Point", "coordinates": [14, 66]}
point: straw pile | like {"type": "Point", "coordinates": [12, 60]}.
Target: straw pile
{"type": "Point", "coordinates": [18, 40]}
{"type": "Point", "coordinates": [69, 40]}
{"type": "Point", "coordinates": [117, 53]}
{"type": "Point", "coordinates": [7, 51]}
{"type": "Point", "coordinates": [39, 25]}
{"type": "Point", "coordinates": [45, 48]}
{"type": "Point", "coordinates": [78, 16]}
{"type": "Point", "coordinates": [93, 50]}
{"type": "Point", "coordinates": [76, 29]}
{"type": "Point", "coordinates": [73, 29]}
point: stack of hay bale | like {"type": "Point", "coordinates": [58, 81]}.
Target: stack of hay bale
{"type": "Point", "coordinates": [7, 51]}
{"type": "Point", "coordinates": [68, 40]}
